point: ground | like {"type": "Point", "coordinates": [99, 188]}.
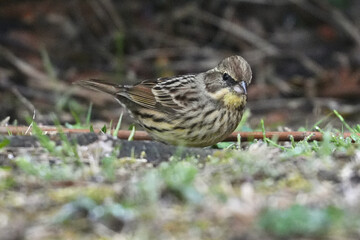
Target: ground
{"type": "Point", "coordinates": [83, 187]}
{"type": "Point", "coordinates": [305, 61]}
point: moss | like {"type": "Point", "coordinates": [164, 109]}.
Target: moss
{"type": "Point", "coordinates": [96, 193]}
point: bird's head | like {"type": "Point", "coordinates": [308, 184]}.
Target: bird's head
{"type": "Point", "coordinates": [228, 81]}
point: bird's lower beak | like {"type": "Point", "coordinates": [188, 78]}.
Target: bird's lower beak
{"type": "Point", "coordinates": [241, 88]}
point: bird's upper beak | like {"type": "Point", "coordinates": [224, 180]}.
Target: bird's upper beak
{"type": "Point", "coordinates": [241, 88]}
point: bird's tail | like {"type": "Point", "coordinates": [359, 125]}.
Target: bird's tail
{"type": "Point", "coordinates": [100, 85]}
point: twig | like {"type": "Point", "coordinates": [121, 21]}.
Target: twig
{"type": "Point", "coordinates": [40, 79]}
{"type": "Point", "coordinates": [27, 104]}
{"type": "Point", "coordinates": [141, 135]}
{"type": "Point", "coordinates": [257, 41]}
{"type": "Point", "coordinates": [347, 25]}
{"type": "Point", "coordinates": [263, 2]}
{"type": "Point", "coordinates": [5, 121]}
{"type": "Point", "coordinates": [113, 14]}
{"type": "Point", "coordinates": [331, 15]}
{"type": "Point", "coordinates": [25, 101]}
{"type": "Point", "coordinates": [237, 31]}
{"type": "Point", "coordinates": [31, 124]}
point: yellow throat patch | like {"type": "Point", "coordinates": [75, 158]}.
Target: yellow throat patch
{"type": "Point", "coordinates": [232, 100]}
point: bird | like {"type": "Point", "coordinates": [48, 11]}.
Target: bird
{"type": "Point", "coordinates": [193, 110]}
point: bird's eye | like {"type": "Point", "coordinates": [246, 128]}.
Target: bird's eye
{"type": "Point", "coordinates": [226, 77]}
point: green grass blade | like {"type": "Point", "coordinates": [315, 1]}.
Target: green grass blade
{"type": "Point", "coordinates": [131, 136]}
{"type": "Point", "coordinates": [88, 115]}
{"type": "Point", "coordinates": [118, 125]}
{"type": "Point", "coordinates": [343, 121]}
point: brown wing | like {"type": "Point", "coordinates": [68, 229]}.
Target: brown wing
{"type": "Point", "coordinates": [141, 94]}
{"type": "Point", "coordinates": [166, 93]}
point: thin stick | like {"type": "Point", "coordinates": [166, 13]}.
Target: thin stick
{"type": "Point", "coordinates": [141, 135]}
{"type": "Point", "coordinates": [259, 42]}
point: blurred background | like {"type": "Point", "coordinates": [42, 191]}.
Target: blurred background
{"type": "Point", "coordinates": [305, 54]}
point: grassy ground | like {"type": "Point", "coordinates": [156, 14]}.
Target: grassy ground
{"type": "Point", "coordinates": [305, 60]}
{"type": "Point", "coordinates": [261, 190]}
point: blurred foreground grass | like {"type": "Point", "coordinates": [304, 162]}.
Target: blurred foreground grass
{"type": "Point", "coordinates": [263, 191]}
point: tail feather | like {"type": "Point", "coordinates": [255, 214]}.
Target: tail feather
{"type": "Point", "coordinates": [100, 85]}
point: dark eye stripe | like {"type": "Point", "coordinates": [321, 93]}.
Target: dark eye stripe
{"type": "Point", "coordinates": [228, 79]}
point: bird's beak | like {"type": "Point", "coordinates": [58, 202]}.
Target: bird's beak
{"type": "Point", "coordinates": [241, 88]}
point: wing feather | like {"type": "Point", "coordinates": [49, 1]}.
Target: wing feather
{"type": "Point", "coordinates": [161, 93]}
{"type": "Point", "coordinates": [141, 94]}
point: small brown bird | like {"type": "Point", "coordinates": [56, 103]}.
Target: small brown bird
{"type": "Point", "coordinates": [192, 110]}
